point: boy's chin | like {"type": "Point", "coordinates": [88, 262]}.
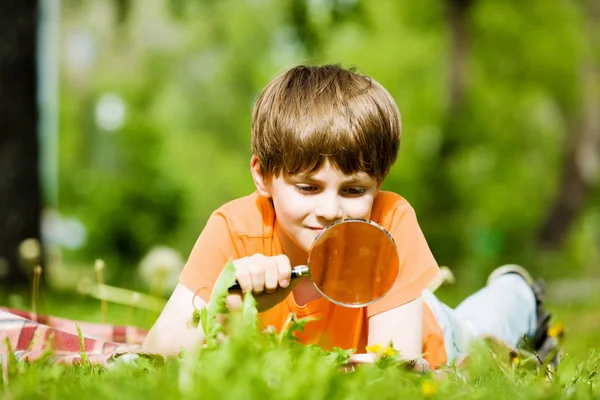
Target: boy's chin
{"type": "Point", "coordinates": [301, 240]}
{"type": "Point", "coordinates": [304, 246]}
{"type": "Point", "coordinates": [305, 243]}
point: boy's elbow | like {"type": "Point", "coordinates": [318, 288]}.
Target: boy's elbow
{"type": "Point", "coordinates": [158, 341]}
{"type": "Point", "coordinates": [172, 332]}
{"type": "Point", "coordinates": [171, 340]}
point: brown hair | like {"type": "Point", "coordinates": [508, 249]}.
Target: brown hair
{"type": "Point", "coordinates": [311, 114]}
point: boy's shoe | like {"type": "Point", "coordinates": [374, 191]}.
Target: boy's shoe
{"type": "Point", "coordinates": [543, 344]}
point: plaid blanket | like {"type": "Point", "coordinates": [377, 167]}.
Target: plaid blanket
{"type": "Point", "coordinates": [32, 337]}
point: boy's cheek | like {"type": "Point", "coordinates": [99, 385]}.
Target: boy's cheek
{"type": "Point", "coordinates": [362, 210]}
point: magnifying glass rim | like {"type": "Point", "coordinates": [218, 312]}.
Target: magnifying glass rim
{"type": "Point", "coordinates": [343, 221]}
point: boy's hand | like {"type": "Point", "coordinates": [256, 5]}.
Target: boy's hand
{"type": "Point", "coordinates": [267, 278]}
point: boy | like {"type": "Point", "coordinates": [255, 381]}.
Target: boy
{"type": "Point", "coordinates": [323, 140]}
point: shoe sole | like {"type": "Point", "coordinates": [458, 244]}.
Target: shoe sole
{"type": "Point", "coordinates": [511, 269]}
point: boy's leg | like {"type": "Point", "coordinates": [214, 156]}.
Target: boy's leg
{"type": "Point", "coordinates": [506, 308]}
{"type": "Point", "coordinates": [498, 310]}
{"type": "Point", "coordinates": [457, 334]}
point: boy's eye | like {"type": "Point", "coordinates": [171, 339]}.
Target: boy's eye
{"type": "Point", "coordinates": [355, 191]}
{"type": "Point", "coordinates": [306, 188]}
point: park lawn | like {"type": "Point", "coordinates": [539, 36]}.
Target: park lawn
{"type": "Point", "coordinates": [581, 320]}
{"type": "Point", "coordinates": [253, 366]}
{"type": "Point", "coordinates": [582, 325]}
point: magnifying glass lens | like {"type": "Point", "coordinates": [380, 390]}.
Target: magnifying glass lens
{"type": "Point", "coordinates": [354, 263]}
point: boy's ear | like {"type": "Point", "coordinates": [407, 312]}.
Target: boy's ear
{"type": "Point", "coordinates": [261, 183]}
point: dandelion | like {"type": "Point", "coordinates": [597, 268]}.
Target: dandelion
{"type": "Point", "coordinates": [429, 388]}
{"type": "Point", "coordinates": [381, 352]}
{"type": "Point", "coordinates": [30, 251]}
{"type": "Point", "coordinates": [390, 352]}
{"type": "Point", "coordinates": [37, 273]}
{"type": "Point", "coordinates": [160, 269]}
{"type": "Point", "coordinates": [99, 268]}
{"type": "Point", "coordinates": [518, 361]}
{"type": "Point", "coordinates": [376, 348]}
{"type": "Point", "coordinates": [557, 330]}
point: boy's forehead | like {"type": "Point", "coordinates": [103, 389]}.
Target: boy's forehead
{"type": "Point", "coordinates": [328, 171]}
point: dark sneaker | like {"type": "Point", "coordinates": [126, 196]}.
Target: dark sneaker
{"type": "Point", "coordinates": [544, 345]}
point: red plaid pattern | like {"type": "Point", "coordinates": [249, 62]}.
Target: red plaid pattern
{"type": "Point", "coordinates": [30, 337]}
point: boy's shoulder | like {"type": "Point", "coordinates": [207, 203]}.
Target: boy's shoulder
{"type": "Point", "coordinates": [252, 215]}
{"type": "Point", "coordinates": [389, 205]}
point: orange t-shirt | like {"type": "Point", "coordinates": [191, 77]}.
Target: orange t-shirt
{"type": "Point", "coordinates": [246, 226]}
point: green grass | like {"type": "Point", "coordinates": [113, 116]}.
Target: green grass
{"type": "Point", "coordinates": [582, 322]}
{"type": "Point", "coordinates": [251, 365]}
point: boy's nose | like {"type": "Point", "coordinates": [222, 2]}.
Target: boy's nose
{"type": "Point", "coordinates": [329, 209]}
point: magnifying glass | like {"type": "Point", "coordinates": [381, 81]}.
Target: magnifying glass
{"type": "Point", "coordinates": [352, 263]}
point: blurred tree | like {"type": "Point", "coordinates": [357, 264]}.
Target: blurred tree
{"type": "Point", "coordinates": [490, 92]}
{"type": "Point", "coordinates": [447, 245]}
{"type": "Point", "coordinates": [581, 160]}
{"type": "Point", "coordinates": [456, 14]}
{"type": "Point", "coordinates": [19, 181]}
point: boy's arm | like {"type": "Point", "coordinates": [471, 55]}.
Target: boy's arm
{"type": "Point", "coordinates": [172, 332]}
{"type": "Point", "coordinates": [402, 326]}
{"type": "Point", "coordinates": [268, 278]}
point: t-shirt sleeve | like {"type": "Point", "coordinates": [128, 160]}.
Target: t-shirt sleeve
{"type": "Point", "coordinates": [418, 267]}
{"type": "Point", "coordinates": [213, 249]}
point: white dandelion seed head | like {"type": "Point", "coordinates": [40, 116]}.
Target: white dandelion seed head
{"type": "Point", "coordinates": [160, 269]}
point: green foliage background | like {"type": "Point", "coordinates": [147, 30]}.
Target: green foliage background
{"type": "Point", "coordinates": [482, 175]}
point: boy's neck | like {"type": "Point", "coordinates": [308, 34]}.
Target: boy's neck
{"type": "Point", "coordinates": [304, 291]}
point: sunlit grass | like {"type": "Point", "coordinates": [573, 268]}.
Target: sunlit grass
{"type": "Point", "coordinates": [271, 365]}
{"type": "Point", "coordinates": [260, 366]}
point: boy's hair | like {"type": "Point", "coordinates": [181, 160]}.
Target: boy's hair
{"type": "Point", "coordinates": [311, 114]}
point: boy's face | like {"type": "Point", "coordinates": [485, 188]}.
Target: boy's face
{"type": "Point", "coordinates": [306, 204]}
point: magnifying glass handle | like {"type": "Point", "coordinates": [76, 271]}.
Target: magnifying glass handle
{"type": "Point", "coordinates": [297, 272]}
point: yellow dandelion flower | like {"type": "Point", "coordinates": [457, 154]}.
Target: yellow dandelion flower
{"type": "Point", "coordinates": [557, 330]}
{"type": "Point", "coordinates": [376, 348]}
{"type": "Point", "coordinates": [429, 388]}
{"type": "Point", "coordinates": [390, 352]}
{"type": "Point", "coordinates": [517, 361]}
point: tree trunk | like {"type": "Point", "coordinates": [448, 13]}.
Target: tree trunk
{"type": "Point", "coordinates": [581, 164]}
{"type": "Point", "coordinates": [443, 210]}
{"type": "Point", "coordinates": [459, 45]}
{"type": "Point", "coordinates": [20, 202]}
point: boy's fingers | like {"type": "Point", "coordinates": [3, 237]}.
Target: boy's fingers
{"type": "Point", "coordinates": [284, 270]}
{"type": "Point", "coordinates": [271, 275]}
{"type": "Point", "coordinates": [257, 273]}
{"type": "Point", "coordinates": [242, 274]}
{"type": "Point", "coordinates": [233, 301]}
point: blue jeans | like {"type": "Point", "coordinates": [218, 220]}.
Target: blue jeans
{"type": "Point", "coordinates": [505, 309]}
